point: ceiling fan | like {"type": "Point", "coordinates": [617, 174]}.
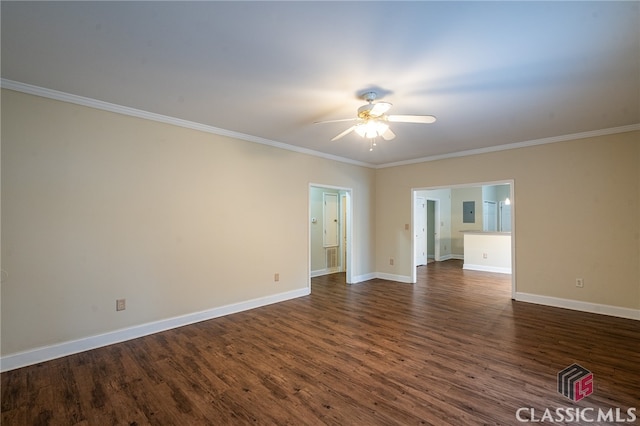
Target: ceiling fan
{"type": "Point", "coordinates": [372, 120]}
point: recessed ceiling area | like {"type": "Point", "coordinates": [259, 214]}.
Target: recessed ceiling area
{"type": "Point", "coordinates": [493, 73]}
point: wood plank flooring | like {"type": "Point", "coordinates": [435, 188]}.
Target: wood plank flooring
{"type": "Point", "coordinates": [451, 349]}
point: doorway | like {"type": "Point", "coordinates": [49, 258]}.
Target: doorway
{"type": "Point", "coordinates": [448, 219]}
{"type": "Point", "coordinates": [330, 231]}
{"type": "Point", "coordinates": [433, 236]}
{"type": "Point", "coordinates": [420, 231]}
{"type": "Point", "coordinates": [426, 226]}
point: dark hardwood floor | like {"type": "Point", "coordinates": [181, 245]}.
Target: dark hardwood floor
{"type": "Point", "coordinates": [451, 349]}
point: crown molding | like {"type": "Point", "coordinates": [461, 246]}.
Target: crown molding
{"type": "Point", "coordinates": [132, 112]}
{"type": "Point", "coordinates": [543, 141]}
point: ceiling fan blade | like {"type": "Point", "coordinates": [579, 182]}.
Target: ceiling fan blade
{"type": "Point", "coordinates": [420, 119]}
{"type": "Point", "coordinates": [388, 135]}
{"type": "Point", "coordinates": [341, 120]}
{"type": "Point", "coordinates": [345, 133]}
{"type": "Point", "coordinates": [379, 109]}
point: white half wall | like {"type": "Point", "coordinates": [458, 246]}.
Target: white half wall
{"type": "Point", "coordinates": [487, 251]}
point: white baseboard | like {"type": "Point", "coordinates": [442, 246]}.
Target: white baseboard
{"type": "Point", "coordinates": [444, 257]}
{"type": "Point", "coordinates": [382, 276]}
{"type": "Point", "coordinates": [394, 277]}
{"type": "Point", "coordinates": [46, 353]}
{"type": "Point", "coordinates": [325, 271]}
{"type": "Point", "coordinates": [485, 268]}
{"type": "Point", "coordinates": [318, 273]}
{"type": "Point", "coordinates": [576, 305]}
{"type": "Point", "coordinates": [370, 276]}
{"type": "Point", "coordinates": [361, 278]}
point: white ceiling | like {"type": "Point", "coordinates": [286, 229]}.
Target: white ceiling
{"type": "Point", "coordinates": [494, 73]}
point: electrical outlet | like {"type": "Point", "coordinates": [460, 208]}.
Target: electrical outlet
{"type": "Point", "coordinates": [276, 277]}
{"type": "Point", "coordinates": [391, 261]}
{"type": "Point", "coordinates": [121, 304]}
{"type": "Point", "coordinates": [484, 255]}
{"type": "Point", "coordinates": [579, 282]}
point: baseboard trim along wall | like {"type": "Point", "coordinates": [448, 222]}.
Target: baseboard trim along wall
{"type": "Point", "coordinates": [393, 277]}
{"type": "Point", "coordinates": [362, 278]}
{"type": "Point", "coordinates": [366, 277]}
{"type": "Point", "coordinates": [485, 268]}
{"type": "Point", "coordinates": [325, 271]}
{"type": "Point", "coordinates": [576, 305]}
{"type": "Point", "coordinates": [46, 353]}
{"type": "Point", "coordinates": [319, 273]}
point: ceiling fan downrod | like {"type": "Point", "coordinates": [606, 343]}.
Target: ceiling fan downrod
{"type": "Point", "coordinates": [370, 96]}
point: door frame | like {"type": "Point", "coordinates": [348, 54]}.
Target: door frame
{"type": "Point", "coordinates": [348, 196]}
{"type": "Point", "coordinates": [415, 230]}
{"type": "Point", "coordinates": [436, 224]}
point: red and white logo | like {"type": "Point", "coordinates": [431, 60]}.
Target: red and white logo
{"type": "Point", "coordinates": [575, 382]}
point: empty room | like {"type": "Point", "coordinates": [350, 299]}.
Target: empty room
{"type": "Point", "coordinates": [345, 213]}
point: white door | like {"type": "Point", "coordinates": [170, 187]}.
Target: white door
{"type": "Point", "coordinates": [331, 225]}
{"type": "Point", "coordinates": [420, 231]}
{"type": "Point", "coordinates": [490, 216]}
{"type": "Point", "coordinates": [505, 217]}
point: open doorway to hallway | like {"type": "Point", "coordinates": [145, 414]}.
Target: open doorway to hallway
{"type": "Point", "coordinates": [444, 218]}
{"type": "Point", "coordinates": [330, 231]}
{"type": "Point", "coordinates": [426, 233]}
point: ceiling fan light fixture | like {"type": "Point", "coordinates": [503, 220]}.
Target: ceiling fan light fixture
{"type": "Point", "coordinates": [372, 120]}
{"type": "Point", "coordinates": [371, 129]}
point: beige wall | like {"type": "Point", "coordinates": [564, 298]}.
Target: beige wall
{"type": "Point", "coordinates": [98, 206]}
{"type": "Point", "coordinates": [576, 209]}
{"type": "Point", "coordinates": [458, 196]}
